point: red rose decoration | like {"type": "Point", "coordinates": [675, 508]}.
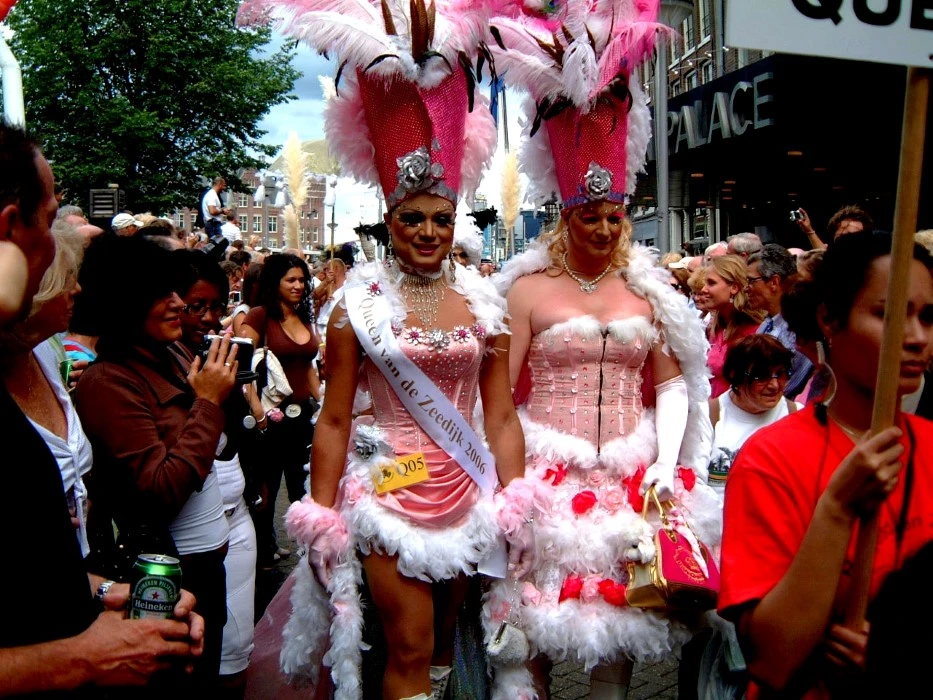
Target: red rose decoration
{"type": "Point", "coordinates": [583, 502]}
{"type": "Point", "coordinates": [635, 499]}
{"type": "Point", "coordinates": [571, 588]}
{"type": "Point", "coordinates": [688, 476]}
{"type": "Point", "coordinates": [557, 474]}
{"type": "Point", "coordinates": [612, 592]}
{"type": "Point", "coordinates": [632, 484]}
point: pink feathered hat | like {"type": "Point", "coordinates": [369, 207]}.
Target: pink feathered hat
{"type": "Point", "coordinates": [588, 125]}
{"type": "Point", "coordinates": [401, 117]}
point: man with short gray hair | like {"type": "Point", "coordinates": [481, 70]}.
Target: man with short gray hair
{"type": "Point", "coordinates": [744, 244]}
{"type": "Point", "coordinates": [714, 251]}
{"type": "Point", "coordinates": [770, 270]}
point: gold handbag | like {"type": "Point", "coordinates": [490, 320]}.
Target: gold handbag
{"type": "Point", "coordinates": [673, 580]}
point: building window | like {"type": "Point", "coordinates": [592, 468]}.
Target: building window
{"type": "Point", "coordinates": [273, 224]}
{"type": "Point", "coordinates": [257, 223]}
{"type": "Point", "coordinates": [180, 219]}
{"type": "Point", "coordinates": [242, 200]}
{"type": "Point", "coordinates": [314, 215]}
{"type": "Point", "coordinates": [706, 19]}
{"type": "Point", "coordinates": [690, 40]}
{"type": "Point", "coordinates": [243, 221]}
{"type": "Point", "coordinates": [690, 80]}
{"type": "Point", "coordinates": [707, 71]}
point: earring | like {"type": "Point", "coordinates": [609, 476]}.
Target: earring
{"type": "Point", "coordinates": [390, 255]}
{"type": "Point", "coordinates": [453, 267]}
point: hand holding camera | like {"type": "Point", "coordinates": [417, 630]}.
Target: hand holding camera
{"type": "Point", "coordinates": [800, 217]}
{"type": "Point", "coordinates": [213, 378]}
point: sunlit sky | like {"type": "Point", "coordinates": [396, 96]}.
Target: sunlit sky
{"type": "Point", "coordinates": [304, 115]}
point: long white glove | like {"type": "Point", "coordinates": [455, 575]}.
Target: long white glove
{"type": "Point", "coordinates": [670, 419]}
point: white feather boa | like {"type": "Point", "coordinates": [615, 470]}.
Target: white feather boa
{"type": "Point", "coordinates": [482, 298]}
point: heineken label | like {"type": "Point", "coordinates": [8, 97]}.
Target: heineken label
{"type": "Point", "coordinates": [153, 597]}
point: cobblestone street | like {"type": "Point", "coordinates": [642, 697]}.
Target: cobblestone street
{"type": "Point", "coordinates": [569, 682]}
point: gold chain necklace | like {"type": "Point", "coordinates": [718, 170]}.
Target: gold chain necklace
{"type": "Point", "coordinates": [422, 296]}
{"type": "Point", "coordinates": [587, 287]}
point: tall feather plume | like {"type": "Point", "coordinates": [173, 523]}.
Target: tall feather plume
{"type": "Point", "coordinates": [511, 192]}
{"type": "Point", "coordinates": [296, 179]}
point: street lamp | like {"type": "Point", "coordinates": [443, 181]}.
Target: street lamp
{"type": "Point", "coordinates": [330, 199]}
{"type": "Point", "coordinates": [672, 14]}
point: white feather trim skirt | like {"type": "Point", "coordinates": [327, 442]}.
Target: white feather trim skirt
{"type": "Point", "coordinates": [590, 533]}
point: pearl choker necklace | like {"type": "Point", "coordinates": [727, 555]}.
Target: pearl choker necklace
{"type": "Point", "coordinates": [587, 287]}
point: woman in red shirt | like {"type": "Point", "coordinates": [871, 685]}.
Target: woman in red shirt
{"type": "Point", "coordinates": [799, 486]}
{"type": "Point", "coordinates": [724, 295]}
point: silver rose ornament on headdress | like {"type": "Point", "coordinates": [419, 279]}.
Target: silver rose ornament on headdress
{"type": "Point", "coordinates": [416, 172]}
{"type": "Point", "coordinates": [598, 182]}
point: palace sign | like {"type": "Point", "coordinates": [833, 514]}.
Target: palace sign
{"type": "Point", "coordinates": [883, 31]}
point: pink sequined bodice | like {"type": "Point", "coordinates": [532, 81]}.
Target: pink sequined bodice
{"type": "Point", "coordinates": [587, 377]}
{"type": "Point", "coordinates": [452, 361]}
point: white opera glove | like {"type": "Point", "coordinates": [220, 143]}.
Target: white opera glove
{"type": "Point", "coordinates": [670, 419]}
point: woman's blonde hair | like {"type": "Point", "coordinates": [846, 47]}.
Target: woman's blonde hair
{"type": "Point", "coordinates": [733, 270]}
{"type": "Point", "coordinates": [557, 243]}
{"type": "Point", "coordinates": [63, 272]}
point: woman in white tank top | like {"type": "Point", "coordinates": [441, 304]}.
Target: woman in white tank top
{"type": "Point", "coordinates": [757, 370]}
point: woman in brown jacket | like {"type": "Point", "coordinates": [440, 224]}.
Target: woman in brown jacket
{"type": "Point", "coordinates": [153, 415]}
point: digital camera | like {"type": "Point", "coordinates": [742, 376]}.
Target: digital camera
{"type": "Point", "coordinates": [244, 356]}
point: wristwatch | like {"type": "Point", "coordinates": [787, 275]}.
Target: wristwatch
{"type": "Point", "coordinates": [102, 590]}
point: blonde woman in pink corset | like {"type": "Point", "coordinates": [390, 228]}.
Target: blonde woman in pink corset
{"type": "Point", "coordinates": [411, 504]}
{"type": "Point", "coordinates": [608, 363]}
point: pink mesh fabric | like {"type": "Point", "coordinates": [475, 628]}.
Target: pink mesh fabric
{"type": "Point", "coordinates": [403, 118]}
{"type": "Point", "coordinates": [601, 137]}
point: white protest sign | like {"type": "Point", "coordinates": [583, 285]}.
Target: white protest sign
{"type": "Point", "coordinates": [882, 31]}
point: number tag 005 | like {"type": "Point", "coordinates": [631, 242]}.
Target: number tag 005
{"type": "Point", "coordinates": [406, 471]}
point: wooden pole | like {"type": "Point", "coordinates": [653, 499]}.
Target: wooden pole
{"type": "Point", "coordinates": [889, 362]}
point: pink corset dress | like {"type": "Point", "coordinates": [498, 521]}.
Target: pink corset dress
{"type": "Point", "coordinates": [587, 434]}
{"type": "Point", "coordinates": [453, 364]}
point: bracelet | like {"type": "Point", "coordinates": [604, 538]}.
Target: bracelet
{"type": "Point", "coordinates": [102, 590]}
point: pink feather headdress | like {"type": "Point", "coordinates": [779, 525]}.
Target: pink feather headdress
{"type": "Point", "coordinates": [575, 58]}
{"type": "Point", "coordinates": [404, 116]}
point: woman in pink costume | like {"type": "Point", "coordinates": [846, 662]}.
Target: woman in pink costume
{"type": "Point", "coordinates": [427, 339]}
{"type": "Point", "coordinates": [608, 363]}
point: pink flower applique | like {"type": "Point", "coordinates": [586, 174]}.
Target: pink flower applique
{"type": "Point", "coordinates": [479, 330]}
{"type": "Point", "coordinates": [461, 334]}
{"type": "Point", "coordinates": [597, 478]}
{"type": "Point", "coordinates": [614, 499]}
{"type": "Point", "coordinates": [374, 289]}
{"type": "Point", "coordinates": [415, 335]}
{"type": "Point", "coordinates": [590, 590]}
{"type": "Point", "coordinates": [530, 594]}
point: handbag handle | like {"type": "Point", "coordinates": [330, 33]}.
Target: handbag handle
{"type": "Point", "coordinates": [651, 496]}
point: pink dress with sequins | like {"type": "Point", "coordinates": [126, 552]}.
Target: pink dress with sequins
{"type": "Point", "coordinates": [447, 497]}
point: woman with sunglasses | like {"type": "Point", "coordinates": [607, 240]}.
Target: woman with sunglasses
{"type": "Point", "coordinates": [757, 369]}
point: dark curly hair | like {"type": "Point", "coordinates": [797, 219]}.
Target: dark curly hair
{"type": "Point", "coordinates": [274, 268]}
